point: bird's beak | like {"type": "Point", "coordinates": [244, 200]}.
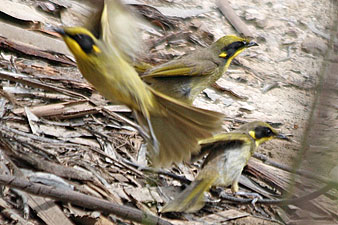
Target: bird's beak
{"type": "Point", "coordinates": [251, 43]}
{"type": "Point", "coordinates": [282, 137]}
{"type": "Point", "coordinates": [59, 31]}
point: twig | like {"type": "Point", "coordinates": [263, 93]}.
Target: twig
{"type": "Point", "coordinates": [168, 37]}
{"type": "Point", "coordinates": [121, 118]}
{"type": "Point", "coordinates": [10, 132]}
{"type": "Point", "coordinates": [82, 200]}
{"type": "Point", "coordinates": [307, 174]}
{"type": "Point", "coordinates": [122, 162]}
{"type": "Point", "coordinates": [228, 92]}
{"type": "Point", "coordinates": [269, 219]}
{"type": "Point", "coordinates": [43, 207]}
{"type": "Point", "coordinates": [14, 216]}
{"type": "Point", "coordinates": [159, 171]}
{"type": "Point", "coordinates": [51, 167]}
{"type": "Point", "coordinates": [8, 96]}
{"type": "Point", "coordinates": [268, 87]}
{"type": "Point", "coordinates": [245, 65]}
{"type": "Point", "coordinates": [24, 79]}
{"type": "Point", "coordinates": [314, 29]}
{"type": "Point", "coordinates": [293, 201]}
{"type": "Point", "coordinates": [232, 17]}
{"type": "Point", "coordinates": [24, 201]}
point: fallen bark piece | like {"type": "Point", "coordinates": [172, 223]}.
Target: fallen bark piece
{"type": "Point", "coordinates": [63, 110]}
{"type": "Point", "coordinates": [12, 46]}
{"type": "Point", "coordinates": [33, 44]}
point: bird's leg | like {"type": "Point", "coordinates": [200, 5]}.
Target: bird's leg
{"type": "Point", "coordinates": [140, 129]}
{"type": "Point", "coordinates": [207, 198]}
{"type": "Point", "coordinates": [235, 191]}
{"type": "Point", "coordinates": [153, 137]}
{"type": "Point", "coordinates": [249, 194]}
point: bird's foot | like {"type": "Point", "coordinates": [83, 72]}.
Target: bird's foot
{"type": "Point", "coordinates": [250, 194]}
{"type": "Point", "coordinates": [225, 195]}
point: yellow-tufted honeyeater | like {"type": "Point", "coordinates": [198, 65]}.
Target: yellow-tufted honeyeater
{"type": "Point", "coordinates": [184, 78]}
{"type": "Point", "coordinates": [228, 153]}
{"type": "Point", "coordinates": [174, 128]}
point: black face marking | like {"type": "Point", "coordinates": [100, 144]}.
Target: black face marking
{"type": "Point", "coordinates": [86, 42]}
{"type": "Point", "coordinates": [261, 132]}
{"type": "Point", "coordinates": [233, 48]}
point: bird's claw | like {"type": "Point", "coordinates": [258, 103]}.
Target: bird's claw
{"type": "Point", "coordinates": [255, 196]}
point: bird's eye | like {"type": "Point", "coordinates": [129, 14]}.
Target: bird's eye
{"type": "Point", "coordinates": [261, 132]}
{"type": "Point", "coordinates": [233, 48]}
{"type": "Point", "coordinates": [86, 42]}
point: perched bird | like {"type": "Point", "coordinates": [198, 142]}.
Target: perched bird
{"type": "Point", "coordinates": [228, 153]}
{"type": "Point", "coordinates": [173, 128]}
{"type": "Point", "coordinates": [184, 78]}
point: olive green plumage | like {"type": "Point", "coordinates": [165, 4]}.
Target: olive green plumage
{"type": "Point", "coordinates": [228, 153]}
{"type": "Point", "coordinates": [184, 78]}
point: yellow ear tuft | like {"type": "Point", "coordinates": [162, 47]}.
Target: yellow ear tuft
{"type": "Point", "coordinates": [252, 134]}
{"type": "Point", "coordinates": [222, 55]}
{"type": "Point", "coordinates": [96, 49]}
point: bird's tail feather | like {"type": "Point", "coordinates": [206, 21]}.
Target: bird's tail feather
{"type": "Point", "coordinates": [192, 198]}
{"type": "Point", "coordinates": [178, 128]}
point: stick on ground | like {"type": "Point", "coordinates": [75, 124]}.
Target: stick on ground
{"type": "Point", "coordinates": [294, 201]}
{"type": "Point", "coordinates": [82, 200]}
{"type": "Point", "coordinates": [232, 17]}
